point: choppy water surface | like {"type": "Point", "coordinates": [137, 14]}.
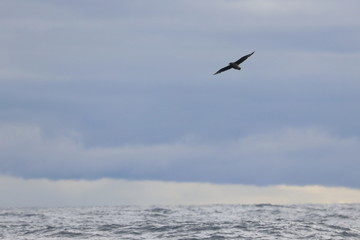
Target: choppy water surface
{"type": "Point", "coordinates": [184, 222]}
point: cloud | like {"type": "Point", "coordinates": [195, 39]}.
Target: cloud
{"type": "Point", "coordinates": [17, 192]}
{"type": "Point", "coordinates": [290, 156]}
{"type": "Point", "coordinates": [124, 90]}
{"type": "Point", "coordinates": [61, 41]}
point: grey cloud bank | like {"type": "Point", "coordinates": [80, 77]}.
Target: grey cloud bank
{"type": "Point", "coordinates": [291, 156]}
{"type": "Point", "coordinates": [124, 89]}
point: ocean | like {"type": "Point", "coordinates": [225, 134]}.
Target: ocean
{"type": "Point", "coordinates": [339, 221]}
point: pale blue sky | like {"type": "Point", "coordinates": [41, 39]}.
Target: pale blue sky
{"type": "Point", "coordinates": [124, 90]}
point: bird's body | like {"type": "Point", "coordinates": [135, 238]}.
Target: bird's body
{"type": "Point", "coordinates": [234, 65]}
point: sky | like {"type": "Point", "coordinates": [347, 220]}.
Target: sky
{"type": "Point", "coordinates": [113, 98]}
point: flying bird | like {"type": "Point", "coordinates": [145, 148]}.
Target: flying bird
{"type": "Point", "coordinates": [234, 65]}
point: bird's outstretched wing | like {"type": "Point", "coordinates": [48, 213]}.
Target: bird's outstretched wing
{"type": "Point", "coordinates": [223, 69]}
{"type": "Point", "coordinates": [244, 58]}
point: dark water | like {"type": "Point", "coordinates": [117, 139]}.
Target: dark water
{"type": "Point", "coordinates": [183, 222]}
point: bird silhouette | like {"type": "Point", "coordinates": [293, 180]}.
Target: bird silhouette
{"type": "Point", "coordinates": [234, 65]}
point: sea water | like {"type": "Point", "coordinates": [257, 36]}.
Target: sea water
{"type": "Point", "coordinates": [341, 221]}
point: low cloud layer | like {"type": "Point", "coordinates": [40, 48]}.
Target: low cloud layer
{"type": "Point", "coordinates": [289, 156]}
{"type": "Point", "coordinates": [17, 192]}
